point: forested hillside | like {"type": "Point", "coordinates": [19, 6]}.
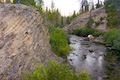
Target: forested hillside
{"type": "Point", "coordinates": [37, 42]}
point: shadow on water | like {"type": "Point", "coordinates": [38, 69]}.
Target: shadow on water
{"type": "Point", "coordinates": [112, 65]}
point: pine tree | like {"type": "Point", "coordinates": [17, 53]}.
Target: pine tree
{"type": "Point", "coordinates": [8, 1]}
{"type": "Point", "coordinates": [113, 9]}
{"type": "Point", "coordinates": [41, 2]}
{"type": "Point", "coordinates": [52, 5]}
{"type": "Point", "coordinates": [26, 2]}
{"type": "Point", "coordinates": [98, 5]}
{"type": "Point", "coordinates": [84, 6]}
{"type": "Point", "coordinates": [74, 14]}
{"type": "Point", "coordinates": [0, 1]}
{"type": "Point", "coordinates": [92, 4]}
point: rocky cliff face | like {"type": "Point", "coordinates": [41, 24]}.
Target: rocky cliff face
{"type": "Point", "coordinates": [24, 40]}
{"type": "Point", "coordinates": [98, 15]}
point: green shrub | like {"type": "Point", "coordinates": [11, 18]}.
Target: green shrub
{"type": "Point", "coordinates": [85, 76]}
{"type": "Point", "coordinates": [116, 42]}
{"type": "Point", "coordinates": [54, 71]}
{"type": "Point", "coordinates": [89, 22]}
{"type": "Point", "coordinates": [98, 5]}
{"type": "Point", "coordinates": [112, 38]}
{"type": "Point", "coordinates": [113, 64]}
{"type": "Point", "coordinates": [111, 7]}
{"type": "Point", "coordinates": [86, 31]}
{"type": "Point", "coordinates": [59, 42]}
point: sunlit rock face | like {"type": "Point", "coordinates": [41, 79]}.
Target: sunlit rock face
{"type": "Point", "coordinates": [24, 40]}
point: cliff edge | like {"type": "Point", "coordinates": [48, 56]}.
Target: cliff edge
{"type": "Point", "coordinates": [24, 40]}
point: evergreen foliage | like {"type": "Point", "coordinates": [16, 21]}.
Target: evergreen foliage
{"type": "Point", "coordinates": [59, 42]}
{"type": "Point", "coordinates": [112, 38]}
{"type": "Point", "coordinates": [89, 22]}
{"type": "Point", "coordinates": [54, 71]}
{"type": "Point", "coordinates": [8, 1]}
{"type": "Point", "coordinates": [113, 64]}
{"type": "Point", "coordinates": [113, 12]}
{"type": "Point", "coordinates": [25, 2]}
{"type": "Point", "coordinates": [85, 31]}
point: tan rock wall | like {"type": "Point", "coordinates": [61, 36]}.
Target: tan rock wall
{"type": "Point", "coordinates": [24, 40]}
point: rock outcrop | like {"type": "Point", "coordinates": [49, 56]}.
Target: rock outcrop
{"type": "Point", "coordinates": [24, 40]}
{"type": "Point", "coordinates": [98, 15]}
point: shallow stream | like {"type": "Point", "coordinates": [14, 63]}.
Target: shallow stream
{"type": "Point", "coordinates": [87, 56]}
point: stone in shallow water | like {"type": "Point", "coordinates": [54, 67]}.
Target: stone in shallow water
{"type": "Point", "coordinates": [91, 50]}
{"type": "Point", "coordinates": [84, 56]}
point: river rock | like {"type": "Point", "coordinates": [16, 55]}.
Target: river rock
{"type": "Point", "coordinates": [90, 37]}
{"type": "Point", "coordinates": [84, 56]}
{"type": "Point", "coordinates": [105, 77]}
{"type": "Point", "coordinates": [91, 50]}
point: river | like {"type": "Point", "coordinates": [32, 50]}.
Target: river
{"type": "Point", "coordinates": [87, 56]}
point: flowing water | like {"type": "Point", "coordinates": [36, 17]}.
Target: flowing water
{"type": "Point", "coordinates": [87, 56]}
